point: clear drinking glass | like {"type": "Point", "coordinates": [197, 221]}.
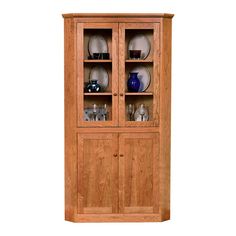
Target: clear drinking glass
{"type": "Point", "coordinates": [105, 111]}
{"type": "Point", "coordinates": [130, 111]}
{"type": "Point", "coordinates": [142, 111]}
{"type": "Point", "coordinates": [95, 111]}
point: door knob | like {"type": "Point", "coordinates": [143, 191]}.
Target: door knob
{"type": "Point", "coordinates": [115, 94]}
{"type": "Point", "coordinates": [114, 155]}
{"type": "Point", "coordinates": [121, 94]}
{"type": "Point", "coordinates": [121, 155]}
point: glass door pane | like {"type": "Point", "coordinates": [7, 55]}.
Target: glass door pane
{"type": "Point", "coordinates": [97, 74]}
{"type": "Point", "coordinates": [139, 74]}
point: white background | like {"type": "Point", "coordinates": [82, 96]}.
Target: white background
{"type": "Point", "coordinates": [203, 118]}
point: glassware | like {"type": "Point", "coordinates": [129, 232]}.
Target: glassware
{"type": "Point", "coordinates": [95, 111]}
{"type": "Point", "coordinates": [142, 111]}
{"type": "Point", "coordinates": [130, 111]}
{"type": "Point", "coordinates": [104, 112]}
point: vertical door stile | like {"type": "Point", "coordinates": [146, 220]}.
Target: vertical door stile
{"type": "Point", "coordinates": [115, 73]}
{"type": "Point", "coordinates": [121, 173]}
{"type": "Point", "coordinates": [80, 72]}
{"type": "Point", "coordinates": [122, 74]}
{"type": "Point", "coordinates": [156, 73]}
{"type": "Point", "coordinates": [115, 173]}
{"type": "Point", "coordinates": [80, 165]}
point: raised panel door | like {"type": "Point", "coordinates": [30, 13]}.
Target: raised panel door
{"type": "Point", "coordinates": [138, 173]}
{"type": "Point", "coordinates": [97, 173]}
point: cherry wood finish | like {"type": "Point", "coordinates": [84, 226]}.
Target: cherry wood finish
{"type": "Point", "coordinates": [117, 170]}
{"type": "Point", "coordinates": [138, 161]}
{"type": "Point", "coordinates": [97, 173]}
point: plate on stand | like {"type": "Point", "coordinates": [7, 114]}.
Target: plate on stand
{"type": "Point", "coordinates": [140, 42]}
{"type": "Point", "coordinates": [97, 44]}
{"type": "Point", "coordinates": [100, 74]}
{"type": "Point", "coordinates": [143, 76]}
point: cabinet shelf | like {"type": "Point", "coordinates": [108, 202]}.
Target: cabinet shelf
{"type": "Point", "coordinates": [98, 61]}
{"type": "Point", "coordinates": [140, 93]}
{"type": "Point", "coordinates": [97, 94]}
{"type": "Point", "coordinates": [137, 61]}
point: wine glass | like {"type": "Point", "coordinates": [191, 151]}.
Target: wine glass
{"type": "Point", "coordinates": [130, 110]}
{"type": "Point", "coordinates": [142, 111]}
{"type": "Point", "coordinates": [105, 111]}
{"type": "Point", "coordinates": [95, 111]}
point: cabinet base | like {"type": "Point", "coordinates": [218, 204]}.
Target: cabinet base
{"type": "Point", "coordinates": [80, 218]}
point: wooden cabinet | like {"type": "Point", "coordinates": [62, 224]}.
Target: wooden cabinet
{"type": "Point", "coordinates": [117, 140]}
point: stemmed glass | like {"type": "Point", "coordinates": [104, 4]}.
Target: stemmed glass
{"type": "Point", "coordinates": [142, 111]}
{"type": "Point", "coordinates": [105, 111]}
{"type": "Point", "coordinates": [130, 110]}
{"type": "Point", "coordinates": [95, 111]}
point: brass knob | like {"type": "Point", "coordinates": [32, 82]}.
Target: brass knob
{"type": "Point", "coordinates": [115, 94]}
{"type": "Point", "coordinates": [121, 94]}
{"type": "Point", "coordinates": [114, 155]}
{"type": "Point", "coordinates": [121, 155]}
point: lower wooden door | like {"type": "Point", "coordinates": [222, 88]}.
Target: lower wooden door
{"type": "Point", "coordinates": [97, 173]}
{"type": "Point", "coordinates": [118, 173]}
{"type": "Point", "coordinates": [138, 173]}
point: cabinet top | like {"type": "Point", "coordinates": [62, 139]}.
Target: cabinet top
{"type": "Point", "coordinates": [117, 15]}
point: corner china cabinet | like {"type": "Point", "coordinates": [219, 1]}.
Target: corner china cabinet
{"type": "Point", "coordinates": [117, 117]}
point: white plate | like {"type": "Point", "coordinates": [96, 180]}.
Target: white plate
{"type": "Point", "coordinates": [143, 76]}
{"type": "Point", "coordinates": [100, 74]}
{"type": "Point", "coordinates": [97, 44]}
{"type": "Point", "coordinates": [138, 117]}
{"type": "Point", "coordinates": [140, 42]}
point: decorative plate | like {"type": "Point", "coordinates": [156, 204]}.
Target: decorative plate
{"type": "Point", "coordinates": [143, 76]}
{"type": "Point", "coordinates": [140, 42]}
{"type": "Point", "coordinates": [97, 44]}
{"type": "Point", "coordinates": [100, 74]}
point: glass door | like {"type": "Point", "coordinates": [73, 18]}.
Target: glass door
{"type": "Point", "coordinates": [139, 74]}
{"type": "Point", "coordinates": [97, 74]}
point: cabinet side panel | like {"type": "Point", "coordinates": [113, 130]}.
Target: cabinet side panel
{"type": "Point", "coordinates": [70, 119]}
{"type": "Point", "coordinates": [165, 112]}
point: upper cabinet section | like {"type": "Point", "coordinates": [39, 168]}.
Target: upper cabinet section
{"type": "Point", "coordinates": [118, 72]}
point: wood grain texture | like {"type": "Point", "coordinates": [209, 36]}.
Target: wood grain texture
{"type": "Point", "coordinates": [118, 218]}
{"type": "Point", "coordinates": [118, 15]}
{"type": "Point", "coordinates": [138, 162]}
{"type": "Point", "coordinates": [119, 130]}
{"type": "Point", "coordinates": [97, 173]}
{"type": "Point", "coordinates": [70, 120]}
{"type": "Point", "coordinates": [165, 111]}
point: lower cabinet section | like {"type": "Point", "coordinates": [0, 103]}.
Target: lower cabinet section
{"type": "Point", "coordinates": [118, 176]}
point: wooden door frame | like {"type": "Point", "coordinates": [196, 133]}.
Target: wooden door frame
{"type": "Point", "coordinates": [156, 171]}
{"type": "Point", "coordinates": [80, 168]}
{"type": "Point", "coordinates": [156, 73]}
{"type": "Point", "coordinates": [80, 73]}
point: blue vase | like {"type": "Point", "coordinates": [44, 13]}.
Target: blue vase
{"type": "Point", "coordinates": [93, 87]}
{"type": "Point", "coordinates": [133, 82]}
